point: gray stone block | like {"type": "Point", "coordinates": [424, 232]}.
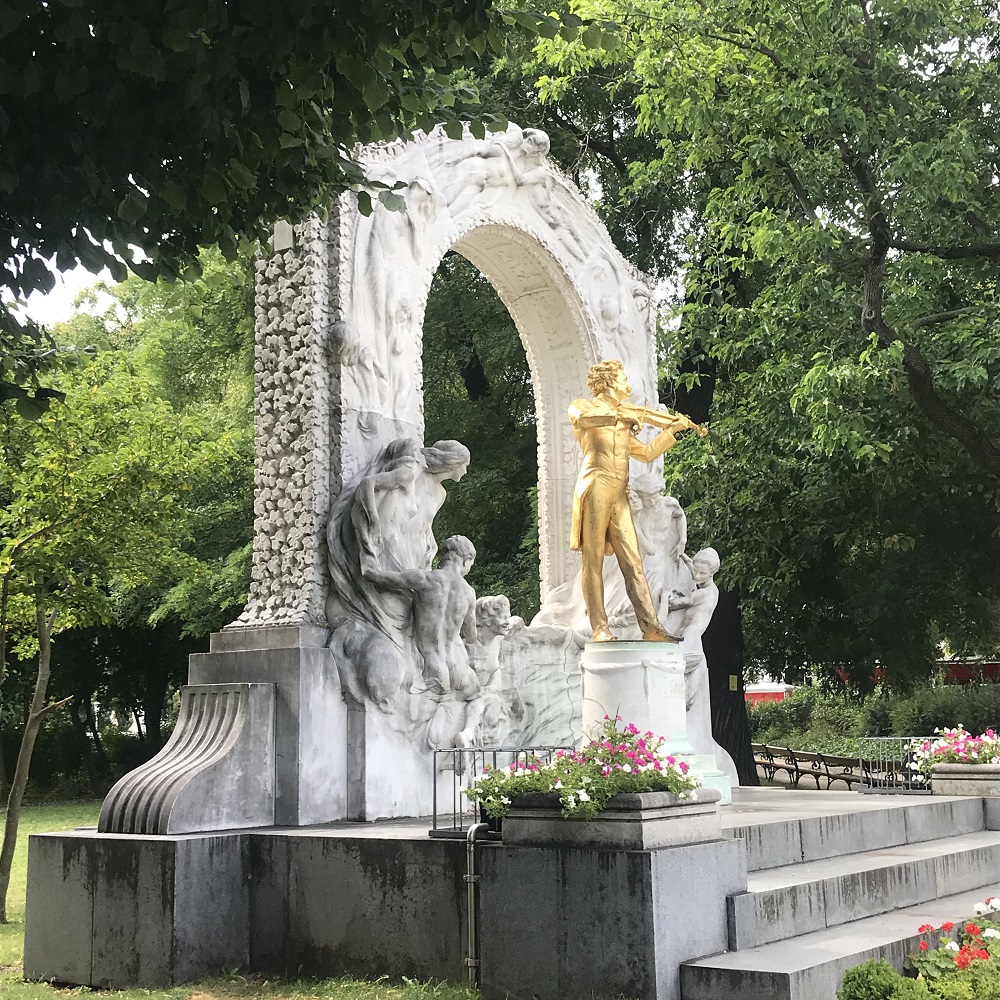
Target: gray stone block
{"type": "Point", "coordinates": [966, 870]}
{"type": "Point", "coordinates": [363, 906]}
{"type": "Point", "coordinates": [614, 922]}
{"type": "Point", "coordinates": [877, 890]}
{"type": "Point", "coordinates": [934, 819]}
{"type": "Point", "coordinates": [269, 637]}
{"type": "Point", "coordinates": [629, 822]}
{"type": "Point", "coordinates": [268, 911]}
{"type": "Point", "coordinates": [991, 813]}
{"type": "Point", "coordinates": [851, 833]}
{"type": "Point", "coordinates": [770, 845]}
{"type": "Point", "coordinates": [215, 773]}
{"type": "Point", "coordinates": [310, 720]}
{"type": "Point", "coordinates": [59, 920]}
{"type": "Point", "coordinates": [756, 918]}
{"type": "Point", "coordinates": [966, 779]}
{"type": "Point", "coordinates": [142, 912]}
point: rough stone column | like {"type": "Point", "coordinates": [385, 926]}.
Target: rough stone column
{"type": "Point", "coordinates": [296, 394]}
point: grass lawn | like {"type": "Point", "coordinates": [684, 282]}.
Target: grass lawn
{"type": "Point", "coordinates": [66, 816]}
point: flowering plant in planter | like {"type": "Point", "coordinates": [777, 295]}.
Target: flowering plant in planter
{"type": "Point", "coordinates": [978, 941]}
{"type": "Point", "coordinates": [953, 746]}
{"type": "Point", "coordinates": [614, 761]}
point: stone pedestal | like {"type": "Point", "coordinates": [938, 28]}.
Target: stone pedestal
{"type": "Point", "coordinates": [965, 779]}
{"type": "Point", "coordinates": [638, 821]}
{"type": "Point", "coordinates": [643, 682]}
{"type": "Point", "coordinates": [559, 922]}
{"type": "Point", "coordinates": [310, 715]}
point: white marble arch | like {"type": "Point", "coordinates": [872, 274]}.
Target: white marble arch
{"type": "Point", "coordinates": [339, 311]}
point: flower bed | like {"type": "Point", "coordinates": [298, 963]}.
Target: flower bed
{"type": "Point", "coordinates": [614, 761]}
{"type": "Point", "coordinates": [954, 961]}
{"type": "Point", "coordinates": [954, 746]}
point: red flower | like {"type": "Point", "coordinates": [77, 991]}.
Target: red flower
{"type": "Point", "coordinates": [924, 928]}
{"type": "Point", "coordinates": [946, 926]}
{"type": "Point", "coordinates": [971, 928]}
{"type": "Point", "coordinates": [923, 946]}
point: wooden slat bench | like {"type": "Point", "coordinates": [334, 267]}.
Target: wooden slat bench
{"type": "Point", "coordinates": [799, 764]}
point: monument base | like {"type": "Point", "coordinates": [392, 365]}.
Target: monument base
{"type": "Point", "coordinates": [643, 683]}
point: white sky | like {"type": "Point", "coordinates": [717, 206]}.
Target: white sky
{"type": "Point", "coordinates": [57, 305]}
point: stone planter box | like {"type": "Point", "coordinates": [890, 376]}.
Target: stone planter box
{"type": "Point", "coordinates": [631, 822]}
{"type": "Point", "coordinates": [965, 779]}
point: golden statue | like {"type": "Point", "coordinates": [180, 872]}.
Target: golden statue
{"type": "Point", "coordinates": [606, 427]}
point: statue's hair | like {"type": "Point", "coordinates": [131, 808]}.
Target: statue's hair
{"type": "Point", "coordinates": [397, 451]}
{"type": "Point", "coordinates": [602, 375]}
{"type": "Point", "coordinates": [709, 556]}
{"type": "Point", "coordinates": [446, 456]}
{"type": "Point", "coordinates": [492, 610]}
{"type": "Point", "coordinates": [456, 547]}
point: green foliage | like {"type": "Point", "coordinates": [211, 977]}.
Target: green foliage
{"type": "Point", "coordinates": [832, 722]}
{"type": "Point", "coordinates": [840, 311]}
{"type": "Point", "coordinates": [169, 128]}
{"type": "Point", "coordinates": [876, 979]}
{"type": "Point", "coordinates": [93, 496]}
{"type": "Point", "coordinates": [193, 340]}
{"type": "Point", "coordinates": [975, 706]}
{"type": "Point", "coordinates": [477, 389]}
{"type": "Point", "coordinates": [980, 981]}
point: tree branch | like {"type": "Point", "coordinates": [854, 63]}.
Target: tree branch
{"type": "Point", "coordinates": [948, 252]}
{"type": "Point", "coordinates": [588, 141]}
{"type": "Point", "coordinates": [50, 707]}
{"type": "Point", "coordinates": [757, 47]}
{"type": "Point", "coordinates": [942, 317]}
{"type": "Point", "coordinates": [920, 379]}
{"type": "Point", "coordinates": [808, 206]}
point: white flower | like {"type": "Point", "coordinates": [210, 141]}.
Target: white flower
{"type": "Point", "coordinates": [980, 909]}
{"type": "Point", "coordinates": [558, 783]}
{"type": "Point", "coordinates": [583, 796]}
{"type": "Point", "coordinates": [505, 800]}
{"type": "Point", "coordinates": [994, 902]}
{"type": "Point", "coordinates": [952, 946]}
{"type": "Point", "coordinates": [991, 932]}
{"type": "Point", "coordinates": [570, 802]}
{"type": "Point", "coordinates": [627, 768]}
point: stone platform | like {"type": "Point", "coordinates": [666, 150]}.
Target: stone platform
{"type": "Point", "coordinates": [848, 876]}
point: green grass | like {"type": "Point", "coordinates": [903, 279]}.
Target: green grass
{"type": "Point", "coordinates": [66, 816]}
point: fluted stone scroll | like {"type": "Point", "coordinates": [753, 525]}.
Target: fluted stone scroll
{"type": "Point", "coordinates": [224, 739]}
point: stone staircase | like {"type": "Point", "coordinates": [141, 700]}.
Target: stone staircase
{"type": "Point", "coordinates": [846, 881]}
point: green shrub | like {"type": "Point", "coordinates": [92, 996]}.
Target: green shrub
{"type": "Point", "coordinates": [876, 717]}
{"type": "Point", "coordinates": [876, 979]}
{"type": "Point", "coordinates": [980, 981]}
{"type": "Point", "coordinates": [976, 706]}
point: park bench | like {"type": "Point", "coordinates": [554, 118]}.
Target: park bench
{"type": "Point", "coordinates": [798, 764]}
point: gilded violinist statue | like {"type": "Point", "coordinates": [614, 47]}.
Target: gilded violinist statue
{"type": "Point", "coordinates": [607, 427]}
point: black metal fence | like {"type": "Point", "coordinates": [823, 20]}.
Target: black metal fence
{"type": "Point", "coordinates": [456, 769]}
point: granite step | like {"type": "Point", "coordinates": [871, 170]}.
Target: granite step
{"type": "Point", "coordinates": [797, 899]}
{"type": "Point", "coordinates": [812, 966]}
{"type": "Point", "coordinates": [842, 823]}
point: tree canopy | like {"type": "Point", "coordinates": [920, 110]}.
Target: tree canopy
{"type": "Point", "coordinates": [841, 167]}
{"type": "Point", "coordinates": [171, 126]}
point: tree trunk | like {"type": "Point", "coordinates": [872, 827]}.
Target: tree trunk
{"type": "Point", "coordinates": [86, 748]}
{"type": "Point", "coordinates": [44, 620]}
{"type": "Point", "coordinates": [102, 758]}
{"type": "Point", "coordinates": [152, 713]}
{"type": "Point", "coordinates": [724, 650]}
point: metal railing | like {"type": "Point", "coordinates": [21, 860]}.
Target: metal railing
{"type": "Point", "coordinates": [887, 765]}
{"type": "Point", "coordinates": [456, 769]}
